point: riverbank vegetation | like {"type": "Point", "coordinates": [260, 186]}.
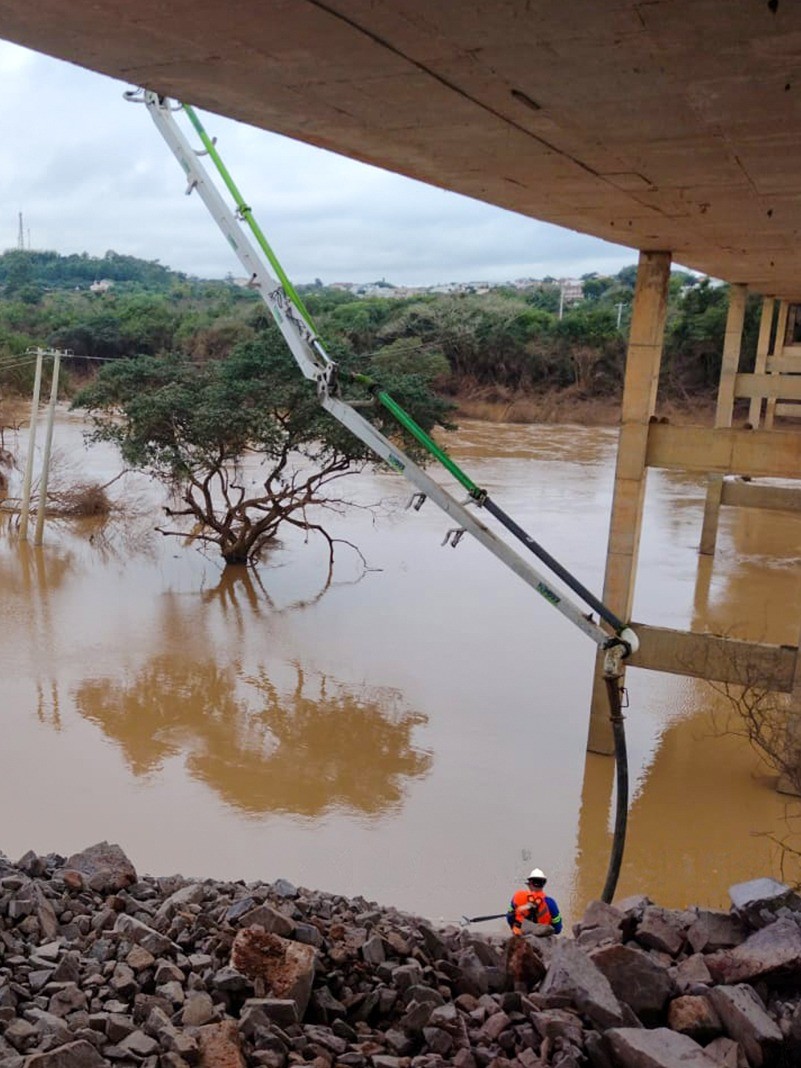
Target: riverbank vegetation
{"type": "Point", "coordinates": [509, 353]}
{"type": "Point", "coordinates": [187, 376]}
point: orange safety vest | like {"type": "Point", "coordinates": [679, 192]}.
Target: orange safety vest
{"type": "Point", "coordinates": [540, 913]}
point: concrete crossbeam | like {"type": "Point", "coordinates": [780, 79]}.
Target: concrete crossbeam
{"type": "Point", "coordinates": [783, 387]}
{"type": "Point", "coordinates": [770, 498]}
{"type": "Point", "coordinates": [714, 657]}
{"type": "Point", "coordinates": [726, 451]}
{"type": "Point", "coordinates": [784, 364]}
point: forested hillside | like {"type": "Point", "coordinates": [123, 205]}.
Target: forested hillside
{"type": "Point", "coordinates": [502, 343]}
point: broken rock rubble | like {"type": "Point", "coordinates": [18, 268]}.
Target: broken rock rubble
{"type": "Point", "coordinates": [101, 967]}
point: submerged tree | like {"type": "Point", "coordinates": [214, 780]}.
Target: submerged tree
{"type": "Point", "coordinates": [192, 425]}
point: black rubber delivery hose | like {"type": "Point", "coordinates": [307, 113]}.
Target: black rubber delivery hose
{"type": "Point", "coordinates": [613, 690]}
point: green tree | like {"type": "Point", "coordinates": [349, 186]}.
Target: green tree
{"type": "Point", "coordinates": [19, 273]}
{"type": "Point", "coordinates": [191, 425]}
{"type": "Point", "coordinates": [694, 338]}
{"type": "Point", "coordinates": [360, 320]}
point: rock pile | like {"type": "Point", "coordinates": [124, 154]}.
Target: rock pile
{"type": "Point", "coordinates": [98, 966]}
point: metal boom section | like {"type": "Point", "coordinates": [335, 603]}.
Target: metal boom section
{"type": "Point", "coordinates": [309, 353]}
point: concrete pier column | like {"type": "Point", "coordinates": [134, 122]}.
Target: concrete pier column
{"type": "Point", "coordinates": [778, 351]}
{"type": "Point", "coordinates": [643, 360]}
{"type": "Point", "coordinates": [732, 345]}
{"type": "Point", "coordinates": [761, 361]}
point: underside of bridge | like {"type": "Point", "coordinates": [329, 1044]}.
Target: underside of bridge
{"type": "Point", "coordinates": [658, 124]}
{"type": "Point", "coordinates": [670, 126]}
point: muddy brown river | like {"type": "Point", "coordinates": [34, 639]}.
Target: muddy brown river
{"type": "Point", "coordinates": [416, 733]}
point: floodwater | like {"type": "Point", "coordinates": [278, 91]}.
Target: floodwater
{"type": "Point", "coordinates": [415, 733]}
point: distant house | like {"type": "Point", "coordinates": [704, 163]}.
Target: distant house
{"type": "Point", "coordinates": [103, 286]}
{"type": "Point", "coordinates": [379, 289]}
{"type": "Point", "coordinates": [572, 290]}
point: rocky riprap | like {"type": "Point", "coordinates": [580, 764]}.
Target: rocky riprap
{"type": "Point", "coordinates": [99, 966]}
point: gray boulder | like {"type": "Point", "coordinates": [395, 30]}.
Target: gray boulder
{"type": "Point", "coordinates": [715, 929]}
{"type": "Point", "coordinates": [572, 975]}
{"type": "Point", "coordinates": [636, 979]}
{"type": "Point", "coordinates": [757, 899]}
{"type": "Point", "coordinates": [663, 929]}
{"type": "Point", "coordinates": [746, 1021]}
{"type": "Point", "coordinates": [661, 1048]}
{"type": "Point", "coordinates": [105, 868]}
{"type": "Point", "coordinates": [774, 952]}
{"type": "Point", "coordinates": [270, 919]}
{"type": "Point", "coordinates": [80, 1054]}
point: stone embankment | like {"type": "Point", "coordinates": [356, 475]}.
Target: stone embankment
{"type": "Point", "coordinates": [99, 966]}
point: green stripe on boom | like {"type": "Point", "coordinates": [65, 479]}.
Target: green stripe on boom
{"type": "Point", "coordinates": [427, 442]}
{"type": "Point", "coordinates": [247, 215]}
{"type": "Point", "coordinates": [403, 418]}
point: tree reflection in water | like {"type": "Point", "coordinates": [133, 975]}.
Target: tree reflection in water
{"type": "Point", "coordinates": [318, 747]}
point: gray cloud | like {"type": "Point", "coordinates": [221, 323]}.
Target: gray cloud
{"type": "Point", "coordinates": [90, 173]}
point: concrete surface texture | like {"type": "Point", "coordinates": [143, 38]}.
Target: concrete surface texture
{"type": "Point", "coordinates": [662, 125]}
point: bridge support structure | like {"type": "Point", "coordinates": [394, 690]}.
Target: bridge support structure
{"type": "Point", "coordinates": [643, 361]}
{"type": "Point", "coordinates": [729, 456]}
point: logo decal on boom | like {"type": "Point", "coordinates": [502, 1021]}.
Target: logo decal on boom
{"type": "Point", "coordinates": [548, 593]}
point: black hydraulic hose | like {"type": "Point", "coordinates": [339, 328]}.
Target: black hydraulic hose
{"type": "Point", "coordinates": [613, 690]}
{"type": "Point", "coordinates": [514, 528]}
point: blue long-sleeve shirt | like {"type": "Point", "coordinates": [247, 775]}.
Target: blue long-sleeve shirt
{"type": "Point", "coordinates": [556, 916]}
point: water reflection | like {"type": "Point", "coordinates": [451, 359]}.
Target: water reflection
{"type": "Point", "coordinates": [317, 747]}
{"type": "Point", "coordinates": [222, 726]}
{"type": "Point", "coordinates": [30, 571]}
{"type": "Point", "coordinates": [243, 597]}
{"type": "Point", "coordinates": [704, 813]}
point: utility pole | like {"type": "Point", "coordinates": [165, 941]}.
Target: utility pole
{"type": "Point", "coordinates": [26, 482]}
{"type": "Point", "coordinates": [51, 414]}
{"type": "Point", "coordinates": [20, 234]}
{"type": "Point", "coordinates": [561, 299]}
{"type": "Point", "coordinates": [620, 308]}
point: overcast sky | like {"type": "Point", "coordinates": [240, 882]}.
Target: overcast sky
{"type": "Point", "coordinates": [90, 172]}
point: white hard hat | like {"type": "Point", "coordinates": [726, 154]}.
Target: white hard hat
{"type": "Point", "coordinates": [538, 874]}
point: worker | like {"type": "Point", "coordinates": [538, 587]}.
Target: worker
{"type": "Point", "coordinates": [533, 905]}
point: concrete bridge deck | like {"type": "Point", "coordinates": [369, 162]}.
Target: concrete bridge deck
{"type": "Point", "coordinates": [657, 124]}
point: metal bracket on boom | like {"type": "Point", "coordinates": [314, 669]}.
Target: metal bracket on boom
{"type": "Point", "coordinates": [453, 536]}
{"type": "Point", "coordinates": [618, 649]}
{"type": "Point", "coordinates": [416, 501]}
